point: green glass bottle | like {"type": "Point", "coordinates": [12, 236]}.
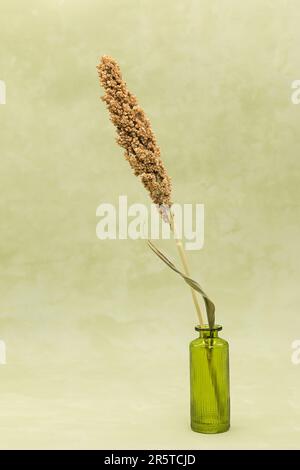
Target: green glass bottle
{"type": "Point", "coordinates": [209, 382]}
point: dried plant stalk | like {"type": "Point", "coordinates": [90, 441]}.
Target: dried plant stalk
{"type": "Point", "coordinates": [135, 135]}
{"type": "Point", "coordinates": [183, 257]}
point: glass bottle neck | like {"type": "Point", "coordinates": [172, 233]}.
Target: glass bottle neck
{"type": "Point", "coordinates": [208, 334]}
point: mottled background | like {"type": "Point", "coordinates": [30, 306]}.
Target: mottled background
{"type": "Point", "coordinates": [97, 332]}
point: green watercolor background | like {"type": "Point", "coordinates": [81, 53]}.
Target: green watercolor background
{"type": "Point", "coordinates": [97, 332]}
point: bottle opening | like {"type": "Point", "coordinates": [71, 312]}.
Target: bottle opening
{"type": "Point", "coordinates": [207, 328]}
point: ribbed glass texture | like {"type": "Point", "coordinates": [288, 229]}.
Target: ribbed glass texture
{"type": "Point", "coordinates": [209, 382]}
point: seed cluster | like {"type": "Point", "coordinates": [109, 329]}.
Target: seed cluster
{"type": "Point", "coordinates": [134, 132]}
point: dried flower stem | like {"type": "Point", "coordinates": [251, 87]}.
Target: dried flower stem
{"type": "Point", "coordinates": [183, 258]}
{"type": "Point", "coordinates": [135, 135]}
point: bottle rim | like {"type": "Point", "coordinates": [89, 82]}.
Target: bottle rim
{"type": "Point", "coordinates": [207, 328]}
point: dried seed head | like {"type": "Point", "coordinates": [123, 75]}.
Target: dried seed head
{"type": "Point", "coordinates": [134, 133]}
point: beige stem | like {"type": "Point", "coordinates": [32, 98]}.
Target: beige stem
{"type": "Point", "coordinates": [183, 258]}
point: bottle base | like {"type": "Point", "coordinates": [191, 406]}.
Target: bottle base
{"type": "Point", "coordinates": [210, 428]}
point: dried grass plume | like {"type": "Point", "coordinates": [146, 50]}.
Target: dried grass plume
{"type": "Point", "coordinates": [134, 132]}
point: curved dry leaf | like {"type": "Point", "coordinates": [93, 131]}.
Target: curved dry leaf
{"type": "Point", "coordinates": [209, 305]}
